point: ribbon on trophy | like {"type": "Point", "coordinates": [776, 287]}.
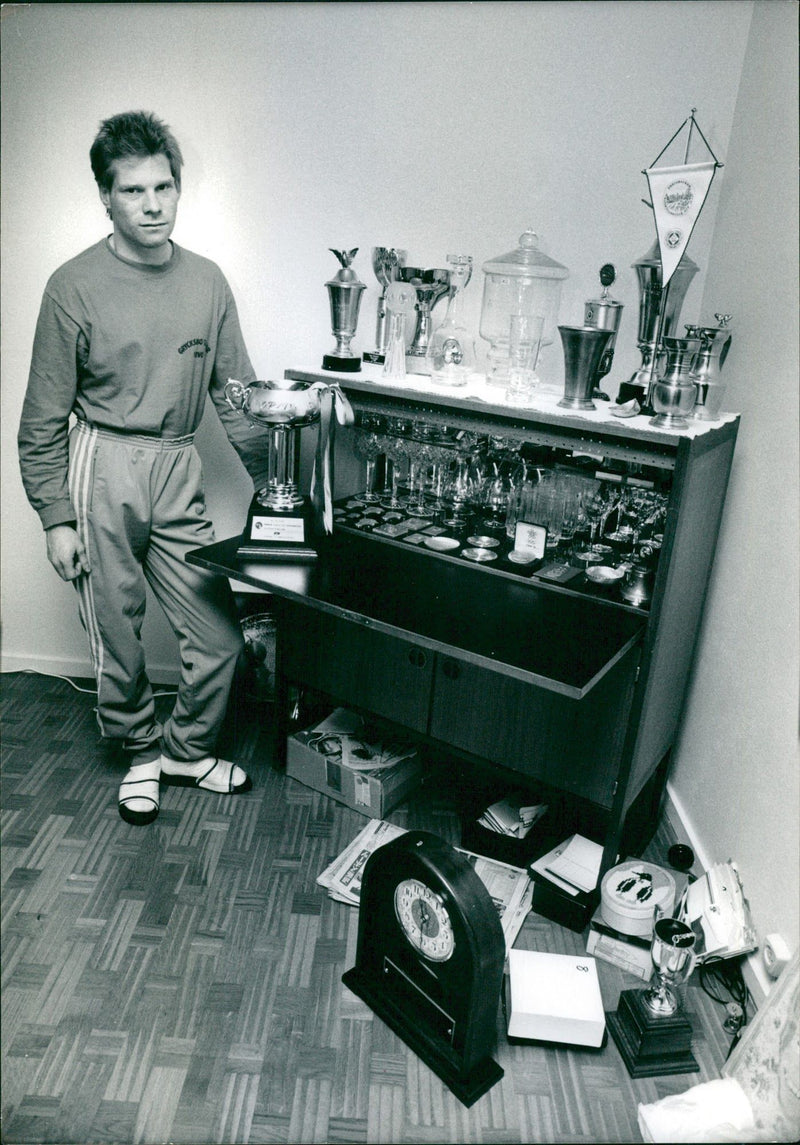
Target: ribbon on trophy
{"type": "Point", "coordinates": [331, 401]}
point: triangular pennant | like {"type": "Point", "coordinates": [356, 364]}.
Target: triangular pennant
{"type": "Point", "coordinates": [677, 194]}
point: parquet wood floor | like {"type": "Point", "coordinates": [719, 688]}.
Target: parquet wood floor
{"type": "Point", "coordinates": [182, 982]}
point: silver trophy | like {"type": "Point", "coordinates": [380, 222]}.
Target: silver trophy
{"type": "Point", "coordinates": [344, 293]}
{"type": "Point", "coordinates": [652, 1032]}
{"type": "Point", "coordinates": [430, 285]}
{"type": "Point", "coordinates": [604, 313]}
{"type": "Point", "coordinates": [653, 299]}
{"type": "Point", "coordinates": [673, 954]}
{"type": "Point", "coordinates": [386, 262]}
{"type": "Point", "coordinates": [282, 524]}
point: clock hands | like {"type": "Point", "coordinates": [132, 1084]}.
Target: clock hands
{"type": "Point", "coordinates": [424, 920]}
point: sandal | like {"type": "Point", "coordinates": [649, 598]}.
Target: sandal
{"type": "Point", "coordinates": [138, 794]}
{"type": "Point", "coordinates": [209, 774]}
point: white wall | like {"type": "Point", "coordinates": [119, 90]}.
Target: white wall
{"type": "Point", "coordinates": [736, 765]}
{"type": "Point", "coordinates": [432, 126]}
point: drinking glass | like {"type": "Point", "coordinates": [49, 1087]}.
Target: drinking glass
{"type": "Point", "coordinates": [422, 457]}
{"type": "Point", "coordinates": [459, 492]}
{"type": "Point", "coordinates": [441, 458]}
{"type": "Point", "coordinates": [368, 445]}
{"type": "Point", "coordinates": [524, 340]}
{"type": "Point", "coordinates": [396, 459]}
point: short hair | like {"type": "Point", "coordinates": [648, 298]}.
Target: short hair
{"type": "Point", "coordinates": [132, 134]}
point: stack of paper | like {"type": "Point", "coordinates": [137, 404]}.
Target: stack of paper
{"type": "Point", "coordinates": [573, 865]}
{"type": "Point", "coordinates": [510, 817]}
{"type": "Point", "coordinates": [510, 888]}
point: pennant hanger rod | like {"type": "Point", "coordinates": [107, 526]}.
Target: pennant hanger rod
{"type": "Point", "coordinates": [690, 119]}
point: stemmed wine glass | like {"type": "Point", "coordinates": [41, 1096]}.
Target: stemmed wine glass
{"type": "Point", "coordinates": [397, 457]}
{"type": "Point", "coordinates": [368, 445]}
{"type": "Point", "coordinates": [421, 456]}
{"type": "Point", "coordinates": [459, 492]}
{"type": "Point", "coordinates": [441, 459]}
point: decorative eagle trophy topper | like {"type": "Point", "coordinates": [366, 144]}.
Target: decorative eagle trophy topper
{"type": "Point", "coordinates": [344, 293]}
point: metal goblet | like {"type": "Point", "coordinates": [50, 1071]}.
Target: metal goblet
{"type": "Point", "coordinates": [674, 957]}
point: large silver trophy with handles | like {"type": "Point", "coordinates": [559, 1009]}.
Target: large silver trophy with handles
{"type": "Point", "coordinates": [282, 523]}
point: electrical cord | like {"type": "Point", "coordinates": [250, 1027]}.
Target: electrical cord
{"type": "Point", "coordinates": [721, 979]}
{"type": "Point", "coordinates": [72, 684]}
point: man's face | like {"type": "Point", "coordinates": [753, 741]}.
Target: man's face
{"type": "Point", "coordinates": [144, 202]}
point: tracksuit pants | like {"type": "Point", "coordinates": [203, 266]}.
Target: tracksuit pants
{"type": "Point", "coordinates": [140, 508]}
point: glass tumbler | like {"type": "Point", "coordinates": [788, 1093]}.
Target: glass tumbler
{"type": "Point", "coordinates": [524, 340]}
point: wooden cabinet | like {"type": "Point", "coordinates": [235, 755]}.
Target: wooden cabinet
{"type": "Point", "coordinates": [693, 466]}
{"type": "Point", "coordinates": [356, 664]}
{"type": "Point", "coordinates": [562, 685]}
{"type": "Point", "coordinates": [570, 744]}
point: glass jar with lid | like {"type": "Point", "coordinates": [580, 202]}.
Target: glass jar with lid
{"type": "Point", "coordinates": [523, 281]}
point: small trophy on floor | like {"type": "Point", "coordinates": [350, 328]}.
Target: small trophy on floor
{"type": "Point", "coordinates": [652, 1032]}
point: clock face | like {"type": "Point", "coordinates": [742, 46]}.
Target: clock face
{"type": "Point", "coordinates": [424, 920]}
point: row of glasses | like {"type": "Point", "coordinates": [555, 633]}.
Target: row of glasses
{"type": "Point", "coordinates": [487, 479]}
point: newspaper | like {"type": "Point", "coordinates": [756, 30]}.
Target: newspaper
{"type": "Point", "coordinates": [345, 738]}
{"type": "Point", "coordinates": [510, 888]}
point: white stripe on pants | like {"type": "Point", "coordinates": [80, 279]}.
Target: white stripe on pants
{"type": "Point", "coordinates": [140, 508]}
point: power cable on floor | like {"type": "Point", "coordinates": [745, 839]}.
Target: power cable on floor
{"type": "Point", "coordinates": [72, 684]}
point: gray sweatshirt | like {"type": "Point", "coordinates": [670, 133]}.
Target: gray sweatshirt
{"type": "Point", "coordinates": [133, 348]}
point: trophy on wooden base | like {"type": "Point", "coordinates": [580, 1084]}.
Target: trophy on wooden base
{"type": "Point", "coordinates": [344, 295]}
{"type": "Point", "coordinates": [652, 1032]}
{"type": "Point", "coordinates": [282, 524]}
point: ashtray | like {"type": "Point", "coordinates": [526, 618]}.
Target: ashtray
{"type": "Point", "coordinates": [483, 542]}
{"type": "Point", "coordinates": [479, 555]}
{"type": "Point", "coordinates": [604, 574]}
{"type": "Point", "coordinates": [521, 558]}
{"type": "Point", "coordinates": [441, 544]}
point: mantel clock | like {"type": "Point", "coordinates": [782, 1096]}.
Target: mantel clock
{"type": "Point", "coordinates": [430, 957]}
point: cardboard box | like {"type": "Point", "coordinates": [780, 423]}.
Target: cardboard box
{"type": "Point", "coordinates": [554, 998]}
{"type": "Point", "coordinates": [517, 852]}
{"type": "Point", "coordinates": [628, 952]}
{"type": "Point", "coordinates": [373, 792]}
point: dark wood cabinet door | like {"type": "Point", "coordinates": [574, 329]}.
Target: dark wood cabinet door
{"type": "Point", "coordinates": [575, 745]}
{"type": "Point", "coordinates": [358, 665]}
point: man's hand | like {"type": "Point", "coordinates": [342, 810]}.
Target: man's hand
{"type": "Point", "coordinates": [66, 553]}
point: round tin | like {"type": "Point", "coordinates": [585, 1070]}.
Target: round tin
{"type": "Point", "coordinates": [481, 555]}
{"type": "Point", "coordinates": [483, 542]}
{"type": "Point", "coordinates": [629, 894]}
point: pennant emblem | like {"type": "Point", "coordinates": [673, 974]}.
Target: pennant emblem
{"type": "Point", "coordinates": [678, 195]}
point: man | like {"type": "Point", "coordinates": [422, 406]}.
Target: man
{"type": "Point", "coordinates": [132, 334]}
